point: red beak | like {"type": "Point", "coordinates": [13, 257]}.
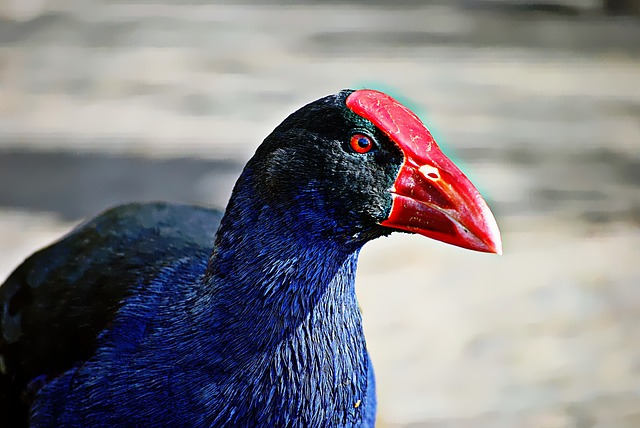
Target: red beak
{"type": "Point", "coordinates": [431, 196]}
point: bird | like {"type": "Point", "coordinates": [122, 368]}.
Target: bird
{"type": "Point", "coordinates": [167, 315]}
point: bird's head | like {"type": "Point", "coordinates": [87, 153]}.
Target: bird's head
{"type": "Point", "coordinates": [359, 164]}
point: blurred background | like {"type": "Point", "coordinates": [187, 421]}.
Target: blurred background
{"type": "Point", "coordinates": [103, 102]}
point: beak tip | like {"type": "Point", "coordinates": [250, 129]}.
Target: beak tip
{"type": "Point", "coordinates": [489, 232]}
{"type": "Point", "coordinates": [495, 238]}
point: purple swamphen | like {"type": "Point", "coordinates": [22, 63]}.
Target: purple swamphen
{"type": "Point", "coordinates": [166, 315]}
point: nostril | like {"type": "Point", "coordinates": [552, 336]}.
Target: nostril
{"type": "Point", "coordinates": [429, 172]}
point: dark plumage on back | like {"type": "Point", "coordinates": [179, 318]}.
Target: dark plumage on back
{"type": "Point", "coordinates": [58, 301]}
{"type": "Point", "coordinates": [141, 318]}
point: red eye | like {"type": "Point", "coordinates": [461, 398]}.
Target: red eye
{"type": "Point", "coordinates": [360, 143]}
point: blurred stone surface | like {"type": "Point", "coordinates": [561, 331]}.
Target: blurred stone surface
{"type": "Point", "coordinates": [104, 101]}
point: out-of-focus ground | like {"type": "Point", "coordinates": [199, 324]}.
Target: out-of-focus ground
{"type": "Point", "coordinates": [107, 101]}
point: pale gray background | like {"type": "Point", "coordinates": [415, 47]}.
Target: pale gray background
{"type": "Point", "coordinates": [108, 101]}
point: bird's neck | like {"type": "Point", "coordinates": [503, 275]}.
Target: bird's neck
{"type": "Point", "coordinates": [284, 311]}
{"type": "Point", "coordinates": [279, 279]}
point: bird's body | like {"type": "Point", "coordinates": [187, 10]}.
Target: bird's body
{"type": "Point", "coordinates": [141, 318]}
{"type": "Point", "coordinates": [62, 297]}
{"type": "Point", "coordinates": [244, 355]}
